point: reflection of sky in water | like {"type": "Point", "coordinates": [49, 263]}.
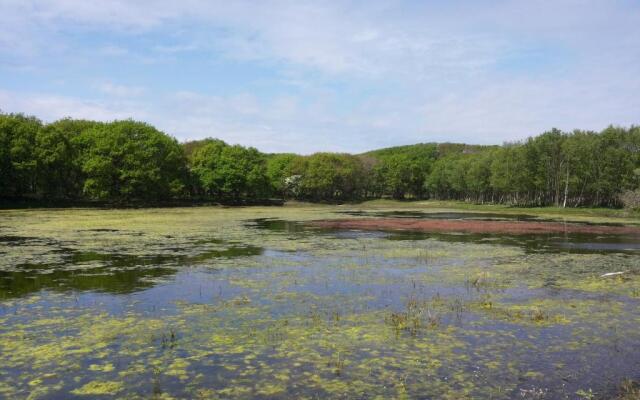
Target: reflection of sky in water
{"type": "Point", "coordinates": [344, 276]}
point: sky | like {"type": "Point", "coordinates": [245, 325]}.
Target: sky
{"type": "Point", "coordinates": [307, 76]}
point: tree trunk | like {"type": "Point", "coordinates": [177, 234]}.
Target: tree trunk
{"type": "Point", "coordinates": [566, 188]}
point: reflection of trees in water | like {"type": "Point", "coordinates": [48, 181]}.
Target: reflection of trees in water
{"type": "Point", "coordinates": [577, 243]}
{"type": "Point", "coordinates": [278, 225]}
{"type": "Point", "coordinates": [31, 278]}
{"type": "Point", "coordinates": [117, 273]}
{"type": "Point", "coordinates": [484, 216]}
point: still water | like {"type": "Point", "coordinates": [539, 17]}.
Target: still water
{"type": "Point", "coordinates": [255, 303]}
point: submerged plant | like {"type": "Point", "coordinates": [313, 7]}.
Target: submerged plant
{"type": "Point", "coordinates": [138, 303]}
{"type": "Point", "coordinates": [337, 364]}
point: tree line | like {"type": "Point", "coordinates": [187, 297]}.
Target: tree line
{"type": "Point", "coordinates": [133, 162]}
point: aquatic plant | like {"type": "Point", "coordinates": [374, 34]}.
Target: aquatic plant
{"type": "Point", "coordinates": [198, 303]}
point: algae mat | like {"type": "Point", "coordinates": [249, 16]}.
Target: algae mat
{"type": "Point", "coordinates": [217, 303]}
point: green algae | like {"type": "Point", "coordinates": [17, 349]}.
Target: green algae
{"type": "Point", "coordinates": [241, 311]}
{"type": "Point", "coordinates": [99, 388]}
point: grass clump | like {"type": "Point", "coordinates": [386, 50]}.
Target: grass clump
{"type": "Point", "coordinates": [95, 388]}
{"type": "Point", "coordinates": [629, 390]}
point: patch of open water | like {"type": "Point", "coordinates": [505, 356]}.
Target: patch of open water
{"type": "Point", "coordinates": [367, 313]}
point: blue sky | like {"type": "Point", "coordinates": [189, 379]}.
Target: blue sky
{"type": "Point", "coordinates": [326, 75]}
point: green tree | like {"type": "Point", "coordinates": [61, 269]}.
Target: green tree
{"type": "Point", "coordinates": [510, 175]}
{"type": "Point", "coordinates": [329, 176]}
{"type": "Point", "coordinates": [549, 165]}
{"type": "Point", "coordinates": [617, 161]}
{"type": "Point", "coordinates": [204, 166]}
{"type": "Point", "coordinates": [278, 170]}
{"type": "Point", "coordinates": [129, 160]}
{"type": "Point", "coordinates": [57, 151]}
{"type": "Point", "coordinates": [395, 171]}
{"type": "Point", "coordinates": [478, 176]}
{"type": "Point", "coordinates": [231, 172]}
{"type": "Point", "coordinates": [242, 173]}
{"type": "Point", "coordinates": [17, 156]}
{"type": "Point", "coordinates": [402, 170]}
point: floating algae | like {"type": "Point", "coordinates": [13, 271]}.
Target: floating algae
{"type": "Point", "coordinates": [250, 303]}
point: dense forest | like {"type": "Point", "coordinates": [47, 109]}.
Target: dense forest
{"type": "Point", "coordinates": [129, 162]}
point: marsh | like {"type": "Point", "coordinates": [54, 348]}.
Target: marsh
{"type": "Point", "coordinates": [260, 302]}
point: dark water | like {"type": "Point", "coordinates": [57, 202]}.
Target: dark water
{"type": "Point", "coordinates": [464, 216]}
{"type": "Point", "coordinates": [116, 273]}
{"type": "Point", "coordinates": [278, 225]}
{"type": "Point", "coordinates": [345, 313]}
{"type": "Point", "coordinates": [443, 215]}
{"type": "Point", "coordinates": [580, 243]}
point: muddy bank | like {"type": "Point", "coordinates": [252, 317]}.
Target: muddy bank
{"type": "Point", "coordinates": [473, 226]}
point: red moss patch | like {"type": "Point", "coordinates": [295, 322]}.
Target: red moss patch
{"type": "Point", "coordinates": [474, 226]}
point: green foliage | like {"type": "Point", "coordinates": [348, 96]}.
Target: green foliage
{"type": "Point", "coordinates": [128, 160]}
{"type": "Point", "coordinates": [394, 173]}
{"type": "Point", "coordinates": [478, 175]}
{"type": "Point", "coordinates": [278, 170]}
{"type": "Point", "coordinates": [192, 146]}
{"type": "Point", "coordinates": [510, 174]}
{"type": "Point", "coordinates": [329, 176]}
{"type": "Point", "coordinates": [243, 173]}
{"type": "Point", "coordinates": [403, 170]}
{"type": "Point", "coordinates": [230, 172]}
{"type": "Point", "coordinates": [56, 155]}
{"type": "Point", "coordinates": [555, 168]}
{"type": "Point", "coordinates": [631, 199]}
{"type": "Point", "coordinates": [204, 165]}
{"type": "Point", "coordinates": [17, 154]}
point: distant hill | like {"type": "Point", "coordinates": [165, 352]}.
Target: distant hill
{"type": "Point", "coordinates": [431, 150]}
{"type": "Point", "coordinates": [428, 150]}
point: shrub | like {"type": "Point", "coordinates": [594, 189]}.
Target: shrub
{"type": "Point", "coordinates": [631, 199]}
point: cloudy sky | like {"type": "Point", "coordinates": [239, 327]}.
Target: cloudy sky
{"type": "Point", "coordinates": [326, 75]}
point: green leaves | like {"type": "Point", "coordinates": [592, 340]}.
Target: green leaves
{"type": "Point", "coordinates": [17, 157]}
{"type": "Point", "coordinates": [129, 161]}
{"type": "Point", "coordinates": [329, 177]}
{"type": "Point", "coordinates": [230, 172]}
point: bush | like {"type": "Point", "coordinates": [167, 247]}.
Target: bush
{"type": "Point", "coordinates": [631, 199]}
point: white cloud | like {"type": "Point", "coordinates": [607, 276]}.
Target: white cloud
{"type": "Point", "coordinates": [52, 107]}
{"type": "Point", "coordinates": [113, 51]}
{"type": "Point", "coordinates": [327, 36]}
{"type": "Point", "coordinates": [113, 89]}
{"type": "Point", "coordinates": [517, 109]}
{"type": "Point", "coordinates": [270, 126]}
{"type": "Point", "coordinates": [350, 76]}
{"type": "Point", "coordinates": [338, 36]}
{"type": "Point", "coordinates": [176, 48]}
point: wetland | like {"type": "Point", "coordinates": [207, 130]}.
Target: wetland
{"type": "Point", "coordinates": [294, 302]}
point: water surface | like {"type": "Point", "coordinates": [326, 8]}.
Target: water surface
{"type": "Point", "coordinates": [252, 303]}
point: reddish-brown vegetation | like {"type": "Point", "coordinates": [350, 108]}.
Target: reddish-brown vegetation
{"type": "Point", "coordinates": [474, 226]}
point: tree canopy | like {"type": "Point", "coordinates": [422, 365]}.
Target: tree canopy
{"type": "Point", "coordinates": [130, 161]}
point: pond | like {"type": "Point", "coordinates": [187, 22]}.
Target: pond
{"type": "Point", "coordinates": [258, 302]}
